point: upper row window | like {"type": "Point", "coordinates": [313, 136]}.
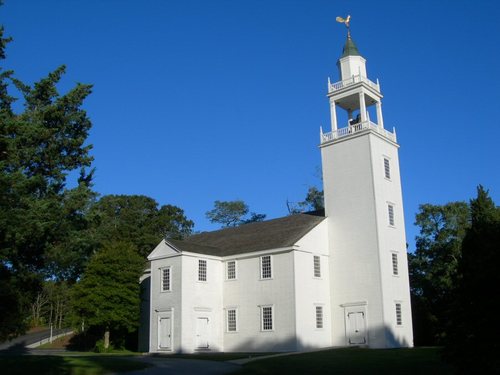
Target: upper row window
{"type": "Point", "coordinates": [231, 270]}
{"type": "Point", "coordinates": [387, 168]}
{"type": "Point", "coordinates": [202, 270]}
{"type": "Point", "coordinates": [265, 267]}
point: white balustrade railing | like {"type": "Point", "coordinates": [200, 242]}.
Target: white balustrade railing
{"type": "Point", "coordinates": [356, 128]}
{"type": "Point", "coordinates": [351, 81]}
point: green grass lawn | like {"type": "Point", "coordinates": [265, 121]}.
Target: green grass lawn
{"type": "Point", "coordinates": [66, 365]}
{"type": "Point", "coordinates": [354, 361]}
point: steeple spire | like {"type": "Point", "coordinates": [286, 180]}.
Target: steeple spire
{"type": "Point", "coordinates": [350, 48]}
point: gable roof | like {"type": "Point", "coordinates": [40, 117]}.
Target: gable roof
{"type": "Point", "coordinates": [265, 235]}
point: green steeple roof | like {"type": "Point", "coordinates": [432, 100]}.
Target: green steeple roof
{"type": "Point", "coordinates": [350, 48]}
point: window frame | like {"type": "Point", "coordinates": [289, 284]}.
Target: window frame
{"type": "Point", "coordinates": [262, 275]}
{"type": "Point", "coordinates": [395, 263]}
{"type": "Point", "coordinates": [235, 270]}
{"type": "Point", "coordinates": [399, 314]}
{"type": "Point", "coordinates": [162, 279]}
{"type": "Point", "coordinates": [317, 266]}
{"type": "Point", "coordinates": [321, 316]}
{"type": "Point", "coordinates": [264, 308]}
{"type": "Point", "coordinates": [391, 214]}
{"type": "Point", "coordinates": [387, 168]}
{"type": "Point", "coordinates": [228, 310]}
{"type": "Point", "coordinates": [202, 270]}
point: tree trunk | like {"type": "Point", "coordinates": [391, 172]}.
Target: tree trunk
{"type": "Point", "coordinates": [106, 339]}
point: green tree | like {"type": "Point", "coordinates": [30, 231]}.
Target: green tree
{"type": "Point", "coordinates": [232, 213]}
{"type": "Point", "coordinates": [313, 201]}
{"type": "Point", "coordinates": [138, 220]}
{"type": "Point", "coordinates": [433, 267]}
{"type": "Point", "coordinates": [107, 296]}
{"type": "Point", "coordinates": [39, 146]}
{"type": "Point", "coordinates": [471, 340]}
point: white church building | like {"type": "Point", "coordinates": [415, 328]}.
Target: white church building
{"type": "Point", "coordinates": [304, 281]}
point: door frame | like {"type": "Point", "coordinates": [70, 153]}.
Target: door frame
{"type": "Point", "coordinates": [163, 315]}
{"type": "Point", "coordinates": [356, 307]}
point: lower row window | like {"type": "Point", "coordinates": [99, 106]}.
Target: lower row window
{"type": "Point", "coordinates": [231, 320]}
{"type": "Point", "coordinates": [267, 318]}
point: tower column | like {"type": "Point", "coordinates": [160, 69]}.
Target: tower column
{"type": "Point", "coordinates": [362, 106]}
{"type": "Point", "coordinates": [380, 119]}
{"type": "Point", "coordinates": [333, 114]}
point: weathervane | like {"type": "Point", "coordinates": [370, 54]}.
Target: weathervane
{"type": "Point", "coordinates": [345, 21]}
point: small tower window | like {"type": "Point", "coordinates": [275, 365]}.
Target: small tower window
{"type": "Point", "coordinates": [390, 209]}
{"type": "Point", "coordinates": [399, 317]}
{"type": "Point", "coordinates": [319, 317]}
{"type": "Point", "coordinates": [395, 271]}
{"type": "Point", "coordinates": [387, 168]}
{"type": "Point", "coordinates": [317, 266]}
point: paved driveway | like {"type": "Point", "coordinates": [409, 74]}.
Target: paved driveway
{"type": "Point", "coordinates": [179, 366]}
{"type": "Point", "coordinates": [22, 341]}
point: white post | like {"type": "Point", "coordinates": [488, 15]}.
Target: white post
{"type": "Point", "coordinates": [380, 119]}
{"type": "Point", "coordinates": [333, 114]}
{"type": "Point", "coordinates": [50, 340]}
{"type": "Point", "coordinates": [362, 106]}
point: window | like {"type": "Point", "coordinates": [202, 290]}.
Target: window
{"type": "Point", "coordinates": [387, 168]}
{"type": "Point", "coordinates": [319, 317]}
{"type": "Point", "coordinates": [267, 318]}
{"type": "Point", "coordinates": [317, 266]}
{"type": "Point", "coordinates": [165, 279]}
{"type": "Point", "coordinates": [265, 267]}
{"type": "Point", "coordinates": [231, 270]}
{"type": "Point", "coordinates": [390, 209]}
{"type": "Point", "coordinates": [399, 318]}
{"type": "Point", "coordinates": [231, 320]}
{"type": "Point", "coordinates": [202, 270]}
{"type": "Point", "coordinates": [395, 264]}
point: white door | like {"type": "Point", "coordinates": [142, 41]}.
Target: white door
{"type": "Point", "coordinates": [202, 333]}
{"type": "Point", "coordinates": [165, 333]}
{"type": "Point", "coordinates": [356, 328]}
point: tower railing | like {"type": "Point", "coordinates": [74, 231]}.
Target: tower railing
{"type": "Point", "coordinates": [351, 81]}
{"type": "Point", "coordinates": [357, 128]}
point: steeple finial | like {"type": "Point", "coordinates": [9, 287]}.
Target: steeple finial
{"type": "Point", "coordinates": [345, 21]}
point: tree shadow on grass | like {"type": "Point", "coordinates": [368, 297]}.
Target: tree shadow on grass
{"type": "Point", "coordinates": [21, 364]}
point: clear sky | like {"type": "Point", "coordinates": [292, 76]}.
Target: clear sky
{"type": "Point", "coordinates": [197, 101]}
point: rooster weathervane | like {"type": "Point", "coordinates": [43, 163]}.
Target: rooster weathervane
{"type": "Point", "coordinates": [345, 21]}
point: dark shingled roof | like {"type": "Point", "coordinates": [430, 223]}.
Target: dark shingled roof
{"type": "Point", "coordinates": [265, 235]}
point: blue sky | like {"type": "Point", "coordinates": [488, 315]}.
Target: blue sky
{"type": "Point", "coordinates": [197, 101]}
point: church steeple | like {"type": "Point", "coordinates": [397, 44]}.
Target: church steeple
{"type": "Point", "coordinates": [364, 207]}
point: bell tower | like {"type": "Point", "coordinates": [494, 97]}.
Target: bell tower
{"type": "Point", "coordinates": [364, 208]}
